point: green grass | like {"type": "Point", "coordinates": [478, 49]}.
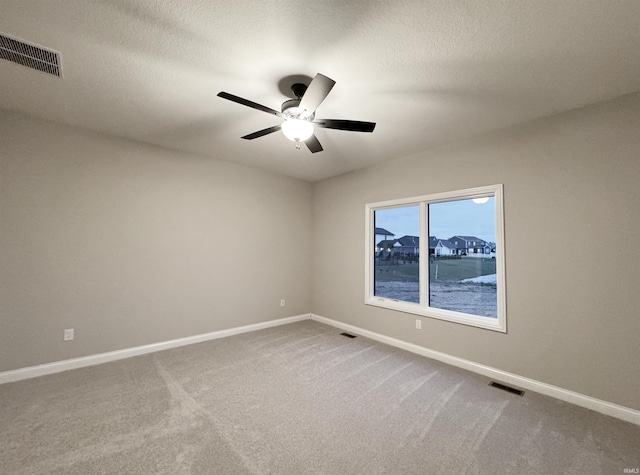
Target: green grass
{"type": "Point", "coordinates": [465, 268]}
{"type": "Point", "coordinates": [399, 273]}
{"type": "Point", "coordinates": [448, 270]}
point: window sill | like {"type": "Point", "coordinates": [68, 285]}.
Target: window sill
{"type": "Point", "coordinates": [488, 323]}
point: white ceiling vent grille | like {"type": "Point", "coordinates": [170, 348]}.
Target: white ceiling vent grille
{"type": "Point", "coordinates": [29, 55]}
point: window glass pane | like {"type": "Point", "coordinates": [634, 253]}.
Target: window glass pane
{"type": "Point", "coordinates": [396, 248]}
{"type": "Point", "coordinates": [462, 256]}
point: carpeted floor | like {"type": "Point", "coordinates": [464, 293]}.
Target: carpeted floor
{"type": "Point", "coordinates": [297, 399]}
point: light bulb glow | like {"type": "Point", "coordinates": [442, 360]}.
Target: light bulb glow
{"type": "Point", "coordinates": [297, 130]}
{"type": "Point", "coordinates": [480, 201]}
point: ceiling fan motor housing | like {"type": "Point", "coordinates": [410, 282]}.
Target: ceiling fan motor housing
{"type": "Point", "coordinates": [290, 104]}
{"type": "Point", "coordinates": [291, 108]}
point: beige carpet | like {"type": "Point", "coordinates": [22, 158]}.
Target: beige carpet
{"type": "Point", "coordinates": [297, 399]}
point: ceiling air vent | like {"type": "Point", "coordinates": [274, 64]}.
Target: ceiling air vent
{"type": "Point", "coordinates": [30, 56]}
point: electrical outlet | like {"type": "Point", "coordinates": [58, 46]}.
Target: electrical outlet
{"type": "Point", "coordinates": [68, 334]}
{"type": "Point", "coordinates": [282, 303]}
{"type": "Point", "coordinates": [418, 324]}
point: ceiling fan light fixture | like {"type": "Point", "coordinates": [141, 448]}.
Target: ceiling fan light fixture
{"type": "Point", "coordinates": [297, 130]}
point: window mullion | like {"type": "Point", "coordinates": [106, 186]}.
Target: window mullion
{"type": "Point", "coordinates": [369, 273]}
{"type": "Point", "coordinates": [424, 255]}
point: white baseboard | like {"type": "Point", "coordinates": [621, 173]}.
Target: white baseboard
{"type": "Point", "coordinates": [64, 365]}
{"type": "Point", "coordinates": [598, 405]}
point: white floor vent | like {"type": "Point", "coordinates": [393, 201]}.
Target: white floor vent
{"type": "Point", "coordinates": [29, 55]}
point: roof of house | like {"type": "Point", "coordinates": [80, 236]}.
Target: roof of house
{"type": "Point", "coordinates": [446, 243]}
{"type": "Point", "coordinates": [409, 241]}
{"type": "Point", "coordinates": [467, 238]}
{"type": "Point", "coordinates": [383, 232]}
{"type": "Point", "coordinates": [387, 243]}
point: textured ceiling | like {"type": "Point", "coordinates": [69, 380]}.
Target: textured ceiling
{"type": "Point", "coordinates": [428, 72]}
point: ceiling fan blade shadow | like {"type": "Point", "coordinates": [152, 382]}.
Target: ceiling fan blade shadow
{"type": "Point", "coordinates": [313, 144]}
{"type": "Point", "coordinates": [262, 133]}
{"type": "Point", "coordinates": [351, 125]}
{"type": "Point", "coordinates": [317, 91]}
{"type": "Point", "coordinates": [248, 103]}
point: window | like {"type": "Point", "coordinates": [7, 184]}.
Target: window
{"type": "Point", "coordinates": [442, 256]}
{"type": "Point", "coordinates": [396, 261]}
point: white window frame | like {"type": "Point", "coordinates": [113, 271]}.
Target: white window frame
{"type": "Point", "coordinates": [491, 323]}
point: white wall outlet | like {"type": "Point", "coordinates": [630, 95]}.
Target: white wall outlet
{"type": "Point", "coordinates": [282, 303]}
{"type": "Point", "coordinates": [418, 324]}
{"type": "Point", "coordinates": [68, 334]}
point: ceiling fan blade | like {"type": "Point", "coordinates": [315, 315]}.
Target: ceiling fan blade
{"type": "Point", "coordinates": [317, 91]}
{"type": "Point", "coordinates": [248, 103]}
{"type": "Point", "coordinates": [313, 144]}
{"type": "Point", "coordinates": [261, 133]}
{"type": "Point", "coordinates": [351, 125]}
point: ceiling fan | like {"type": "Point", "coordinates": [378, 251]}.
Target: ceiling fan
{"type": "Point", "coordinates": [299, 114]}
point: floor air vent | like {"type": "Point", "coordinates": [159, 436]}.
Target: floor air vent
{"type": "Point", "coordinates": [348, 335]}
{"type": "Point", "coordinates": [30, 56]}
{"type": "Point", "coordinates": [509, 389]}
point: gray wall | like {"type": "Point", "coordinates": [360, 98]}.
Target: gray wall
{"type": "Point", "coordinates": [131, 244]}
{"type": "Point", "coordinates": [572, 227]}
